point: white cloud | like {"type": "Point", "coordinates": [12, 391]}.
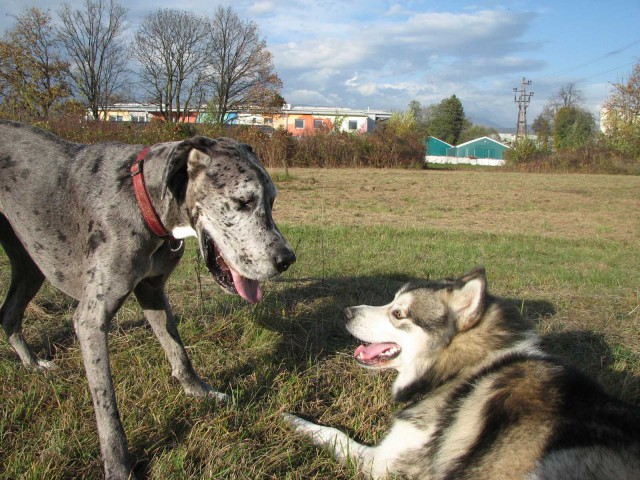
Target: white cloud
{"type": "Point", "coordinates": [384, 54]}
{"type": "Point", "coordinates": [394, 10]}
{"type": "Point", "coordinates": [389, 60]}
{"type": "Point", "coordinates": [314, 97]}
{"type": "Point", "coordinates": [319, 54]}
{"type": "Point", "coordinates": [262, 8]}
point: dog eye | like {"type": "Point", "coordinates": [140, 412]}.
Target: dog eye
{"type": "Point", "coordinates": [397, 314]}
{"type": "Point", "coordinates": [244, 204]}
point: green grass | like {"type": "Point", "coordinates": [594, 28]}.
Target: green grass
{"type": "Point", "coordinates": [290, 353]}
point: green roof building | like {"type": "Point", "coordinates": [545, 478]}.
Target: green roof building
{"type": "Point", "coordinates": [439, 148]}
{"type": "Point", "coordinates": [483, 147]}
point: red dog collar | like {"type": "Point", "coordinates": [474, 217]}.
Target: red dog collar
{"type": "Point", "coordinates": [144, 202]}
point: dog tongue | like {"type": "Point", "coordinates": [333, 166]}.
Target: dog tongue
{"type": "Point", "coordinates": [372, 351]}
{"type": "Point", "coordinates": [248, 289]}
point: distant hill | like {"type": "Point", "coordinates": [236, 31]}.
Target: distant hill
{"type": "Point", "coordinates": [491, 124]}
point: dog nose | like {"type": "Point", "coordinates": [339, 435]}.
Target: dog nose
{"type": "Point", "coordinates": [284, 260]}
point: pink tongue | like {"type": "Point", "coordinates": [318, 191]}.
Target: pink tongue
{"type": "Point", "coordinates": [372, 351]}
{"type": "Point", "coordinates": [248, 289]}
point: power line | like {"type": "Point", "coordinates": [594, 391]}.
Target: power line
{"type": "Point", "coordinates": [606, 71]}
{"type": "Point", "coordinates": [590, 62]}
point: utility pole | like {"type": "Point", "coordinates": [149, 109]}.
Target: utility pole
{"type": "Point", "coordinates": [523, 102]}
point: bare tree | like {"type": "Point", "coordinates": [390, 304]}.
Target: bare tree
{"type": "Point", "coordinates": [171, 47]}
{"type": "Point", "coordinates": [95, 41]}
{"type": "Point", "coordinates": [568, 95]}
{"type": "Point", "coordinates": [33, 78]}
{"type": "Point", "coordinates": [242, 71]}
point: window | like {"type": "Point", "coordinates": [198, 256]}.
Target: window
{"type": "Point", "coordinates": [299, 123]}
{"type": "Point", "coordinates": [138, 119]}
{"type": "Point", "coordinates": [115, 118]}
{"type": "Point", "coordinates": [353, 124]}
{"type": "Point", "coordinates": [317, 124]}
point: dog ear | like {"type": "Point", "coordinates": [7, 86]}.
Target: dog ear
{"type": "Point", "coordinates": [467, 301]}
{"type": "Point", "coordinates": [176, 175]}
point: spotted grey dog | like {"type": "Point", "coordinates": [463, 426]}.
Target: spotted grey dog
{"type": "Point", "coordinates": [481, 400]}
{"type": "Point", "coordinates": [68, 213]}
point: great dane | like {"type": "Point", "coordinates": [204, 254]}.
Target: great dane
{"type": "Point", "coordinates": [69, 213]}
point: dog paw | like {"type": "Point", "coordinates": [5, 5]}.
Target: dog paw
{"type": "Point", "coordinates": [41, 365]}
{"type": "Point", "coordinates": [219, 397]}
{"type": "Point", "coordinates": [295, 422]}
{"type": "Point", "coordinates": [204, 390]}
{"type": "Point", "coordinates": [46, 365]}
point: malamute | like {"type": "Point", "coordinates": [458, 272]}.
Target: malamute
{"type": "Point", "coordinates": [482, 401]}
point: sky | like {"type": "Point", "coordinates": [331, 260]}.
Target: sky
{"type": "Point", "coordinates": [381, 54]}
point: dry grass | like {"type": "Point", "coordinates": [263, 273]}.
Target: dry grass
{"type": "Point", "coordinates": [565, 247]}
{"type": "Point", "coordinates": [548, 205]}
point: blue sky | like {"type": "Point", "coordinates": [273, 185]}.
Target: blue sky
{"type": "Point", "coordinates": [383, 54]}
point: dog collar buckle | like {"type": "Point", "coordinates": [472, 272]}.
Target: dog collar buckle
{"type": "Point", "coordinates": [136, 168]}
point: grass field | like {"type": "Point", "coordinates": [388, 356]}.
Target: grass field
{"type": "Point", "coordinates": [565, 247]}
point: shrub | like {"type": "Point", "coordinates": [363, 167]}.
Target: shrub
{"type": "Point", "coordinates": [523, 151]}
{"type": "Point", "coordinates": [595, 157]}
{"type": "Point", "coordinates": [383, 148]}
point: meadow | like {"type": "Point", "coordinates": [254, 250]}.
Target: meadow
{"type": "Point", "coordinates": [564, 247]}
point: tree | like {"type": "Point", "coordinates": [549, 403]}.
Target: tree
{"type": "Point", "coordinates": [573, 127]}
{"type": "Point", "coordinates": [542, 126]}
{"type": "Point", "coordinates": [446, 120]}
{"type": "Point", "coordinates": [173, 48]}
{"type": "Point", "coordinates": [473, 131]}
{"type": "Point", "coordinates": [243, 76]}
{"type": "Point", "coordinates": [568, 95]}
{"type": "Point", "coordinates": [402, 124]}
{"type": "Point", "coordinates": [621, 112]}
{"type": "Point", "coordinates": [95, 42]}
{"type": "Point", "coordinates": [33, 79]}
{"type": "Point", "coordinates": [418, 112]}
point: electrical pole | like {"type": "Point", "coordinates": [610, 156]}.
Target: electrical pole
{"type": "Point", "coordinates": [523, 102]}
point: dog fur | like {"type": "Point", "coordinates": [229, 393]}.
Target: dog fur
{"type": "Point", "coordinates": [68, 214]}
{"type": "Point", "coordinates": [482, 401]}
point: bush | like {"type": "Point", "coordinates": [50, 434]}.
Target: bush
{"type": "Point", "coordinates": [591, 158]}
{"type": "Point", "coordinates": [382, 148]}
{"type": "Point", "coordinates": [594, 158]}
{"type": "Point", "coordinates": [523, 151]}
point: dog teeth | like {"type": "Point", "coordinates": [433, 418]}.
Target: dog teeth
{"type": "Point", "coordinates": [390, 352]}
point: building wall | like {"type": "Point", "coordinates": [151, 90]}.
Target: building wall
{"type": "Point", "coordinates": [311, 123]}
{"type": "Point", "coordinates": [481, 148]}
{"type": "Point", "coordinates": [437, 147]}
{"type": "Point", "coordinates": [487, 162]}
{"type": "Point", "coordinates": [481, 151]}
{"type": "Point", "coordinates": [312, 119]}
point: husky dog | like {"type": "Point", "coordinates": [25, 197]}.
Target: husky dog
{"type": "Point", "coordinates": [482, 400]}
